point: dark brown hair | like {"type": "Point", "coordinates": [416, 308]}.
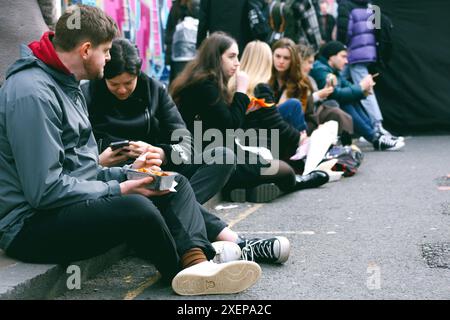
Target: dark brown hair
{"type": "Point", "coordinates": [306, 52]}
{"type": "Point", "coordinates": [296, 85]}
{"type": "Point", "coordinates": [83, 23]}
{"type": "Point", "coordinates": [206, 65]}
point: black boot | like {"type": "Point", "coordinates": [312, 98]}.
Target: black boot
{"type": "Point", "coordinates": [313, 179]}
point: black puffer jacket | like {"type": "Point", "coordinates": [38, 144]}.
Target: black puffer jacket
{"type": "Point", "coordinates": [270, 118]}
{"type": "Point", "coordinates": [148, 115]}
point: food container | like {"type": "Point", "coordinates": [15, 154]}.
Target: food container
{"type": "Point", "coordinates": [162, 180]}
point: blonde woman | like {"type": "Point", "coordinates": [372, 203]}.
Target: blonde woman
{"type": "Point", "coordinates": [257, 64]}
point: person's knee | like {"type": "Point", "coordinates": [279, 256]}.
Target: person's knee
{"type": "Point", "coordinates": [294, 104]}
{"type": "Point", "coordinates": [140, 209]}
{"type": "Point", "coordinates": [225, 157]}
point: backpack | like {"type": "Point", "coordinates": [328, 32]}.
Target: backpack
{"type": "Point", "coordinates": [258, 17]}
{"type": "Point", "coordinates": [383, 37]}
{"type": "Point", "coordinates": [349, 159]}
{"type": "Point", "coordinates": [277, 21]}
{"type": "Point", "coordinates": [184, 42]}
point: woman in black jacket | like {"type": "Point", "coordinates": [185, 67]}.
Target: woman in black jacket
{"type": "Point", "coordinates": [129, 105]}
{"type": "Point", "coordinates": [201, 93]}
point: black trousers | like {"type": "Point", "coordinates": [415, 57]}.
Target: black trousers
{"type": "Point", "coordinates": [160, 229]}
{"type": "Point", "coordinates": [207, 178]}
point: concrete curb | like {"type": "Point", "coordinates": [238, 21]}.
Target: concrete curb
{"type": "Point", "coordinates": [28, 281]}
{"type": "Point", "coordinates": [43, 281]}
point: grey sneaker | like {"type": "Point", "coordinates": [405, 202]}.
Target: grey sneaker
{"type": "Point", "coordinates": [212, 278]}
{"type": "Point", "coordinates": [226, 251]}
{"type": "Point", "coordinates": [272, 250]}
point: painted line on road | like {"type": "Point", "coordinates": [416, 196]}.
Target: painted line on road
{"type": "Point", "coordinates": [244, 214]}
{"type": "Point", "coordinates": [306, 233]}
{"type": "Point", "coordinates": [131, 295]}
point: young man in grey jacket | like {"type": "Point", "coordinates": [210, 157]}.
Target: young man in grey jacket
{"type": "Point", "coordinates": [57, 205]}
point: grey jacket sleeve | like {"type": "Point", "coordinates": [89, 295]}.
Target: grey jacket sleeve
{"type": "Point", "coordinates": [39, 155]}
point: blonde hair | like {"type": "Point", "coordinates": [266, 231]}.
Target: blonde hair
{"type": "Point", "coordinates": [257, 63]}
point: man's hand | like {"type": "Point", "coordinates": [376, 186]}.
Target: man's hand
{"type": "Point", "coordinates": [139, 187]}
{"type": "Point", "coordinates": [367, 84]}
{"type": "Point", "coordinates": [111, 158]}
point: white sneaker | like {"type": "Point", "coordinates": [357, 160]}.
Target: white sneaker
{"type": "Point", "coordinates": [226, 251]}
{"type": "Point", "coordinates": [211, 278]}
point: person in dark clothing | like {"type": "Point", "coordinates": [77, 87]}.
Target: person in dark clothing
{"type": "Point", "coordinates": [325, 109]}
{"type": "Point", "coordinates": [128, 105]}
{"type": "Point", "coordinates": [326, 21]}
{"type": "Point", "coordinates": [332, 59]}
{"type": "Point", "coordinates": [227, 16]}
{"type": "Point", "coordinates": [180, 9]}
{"type": "Point", "coordinates": [201, 93]}
{"type": "Point", "coordinates": [60, 205]}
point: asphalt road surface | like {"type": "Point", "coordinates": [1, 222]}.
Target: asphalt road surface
{"type": "Point", "coordinates": [382, 234]}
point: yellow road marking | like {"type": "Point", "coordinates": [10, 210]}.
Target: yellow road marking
{"type": "Point", "coordinates": [245, 214]}
{"type": "Point", "coordinates": [152, 280]}
{"type": "Point", "coordinates": [144, 285]}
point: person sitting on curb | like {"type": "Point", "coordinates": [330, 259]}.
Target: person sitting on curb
{"type": "Point", "coordinates": [333, 59]}
{"type": "Point", "coordinates": [129, 105]}
{"type": "Point", "coordinates": [58, 205]}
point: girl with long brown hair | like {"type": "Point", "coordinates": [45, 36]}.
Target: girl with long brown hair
{"type": "Point", "coordinates": [201, 94]}
{"type": "Point", "coordinates": [289, 85]}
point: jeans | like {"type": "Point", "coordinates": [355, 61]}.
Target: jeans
{"type": "Point", "coordinates": [361, 121]}
{"type": "Point", "coordinates": [357, 72]}
{"type": "Point", "coordinates": [292, 112]}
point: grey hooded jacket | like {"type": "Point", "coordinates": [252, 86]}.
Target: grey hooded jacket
{"type": "Point", "coordinates": [48, 154]}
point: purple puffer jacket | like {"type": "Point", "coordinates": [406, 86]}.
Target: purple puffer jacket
{"type": "Point", "coordinates": [362, 43]}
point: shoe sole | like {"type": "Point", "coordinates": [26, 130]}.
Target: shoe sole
{"type": "Point", "coordinates": [238, 195]}
{"type": "Point", "coordinates": [233, 277]}
{"type": "Point", "coordinates": [263, 193]}
{"type": "Point", "coordinates": [284, 242]}
{"type": "Point", "coordinates": [398, 146]}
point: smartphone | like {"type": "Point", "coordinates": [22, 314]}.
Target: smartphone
{"type": "Point", "coordinates": [119, 144]}
{"type": "Point", "coordinates": [330, 80]}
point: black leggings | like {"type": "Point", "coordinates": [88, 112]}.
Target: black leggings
{"type": "Point", "coordinates": [160, 229]}
{"type": "Point", "coordinates": [252, 175]}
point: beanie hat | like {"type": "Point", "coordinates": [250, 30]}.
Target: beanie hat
{"type": "Point", "coordinates": [331, 48]}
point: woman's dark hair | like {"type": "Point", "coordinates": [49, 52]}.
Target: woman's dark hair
{"type": "Point", "coordinates": [124, 58]}
{"type": "Point", "coordinates": [206, 65]}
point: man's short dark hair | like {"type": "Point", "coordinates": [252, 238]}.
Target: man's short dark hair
{"type": "Point", "coordinates": [124, 58]}
{"type": "Point", "coordinates": [83, 23]}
